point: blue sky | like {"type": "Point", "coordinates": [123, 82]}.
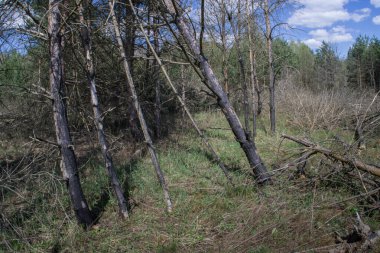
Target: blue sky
{"type": "Point", "coordinates": [336, 21]}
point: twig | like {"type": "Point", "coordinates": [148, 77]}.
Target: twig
{"type": "Point", "coordinates": [42, 140]}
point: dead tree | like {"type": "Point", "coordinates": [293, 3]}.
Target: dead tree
{"type": "Point", "coordinates": [68, 159]}
{"type": "Point", "coordinates": [137, 107]}
{"type": "Point", "coordinates": [210, 80]}
{"type": "Point", "coordinates": [353, 161]}
{"type": "Point", "coordinates": [255, 88]}
{"type": "Point", "coordinates": [181, 100]}
{"type": "Point", "coordinates": [85, 32]}
{"type": "Point", "coordinates": [268, 35]}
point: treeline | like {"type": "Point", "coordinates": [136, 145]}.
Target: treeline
{"type": "Point", "coordinates": [363, 63]}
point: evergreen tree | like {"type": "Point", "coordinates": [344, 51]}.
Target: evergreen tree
{"type": "Point", "coordinates": [327, 66]}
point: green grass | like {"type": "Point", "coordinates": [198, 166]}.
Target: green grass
{"type": "Point", "coordinates": [209, 215]}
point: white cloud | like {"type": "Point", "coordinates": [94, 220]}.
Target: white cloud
{"type": "Point", "coordinates": [312, 43]}
{"type": "Point", "coordinates": [323, 13]}
{"type": "Point", "coordinates": [334, 35]}
{"type": "Point", "coordinates": [376, 20]}
{"type": "Point", "coordinates": [361, 14]}
{"type": "Point", "coordinates": [376, 3]}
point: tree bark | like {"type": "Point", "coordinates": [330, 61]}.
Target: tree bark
{"type": "Point", "coordinates": [272, 101]}
{"type": "Point", "coordinates": [85, 30]}
{"type": "Point", "coordinates": [148, 140]}
{"type": "Point", "coordinates": [212, 82]}
{"type": "Point", "coordinates": [68, 160]}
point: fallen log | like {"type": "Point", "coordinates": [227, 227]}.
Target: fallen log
{"type": "Point", "coordinates": [353, 161]}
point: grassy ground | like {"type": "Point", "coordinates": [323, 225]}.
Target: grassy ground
{"type": "Point", "coordinates": [209, 215]}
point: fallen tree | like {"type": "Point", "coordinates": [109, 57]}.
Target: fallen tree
{"type": "Point", "coordinates": [353, 161]}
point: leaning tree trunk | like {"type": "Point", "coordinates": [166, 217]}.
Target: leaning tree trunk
{"type": "Point", "coordinates": [68, 160]}
{"type": "Point", "coordinates": [272, 101]}
{"type": "Point", "coordinates": [85, 31]}
{"type": "Point", "coordinates": [212, 82]}
{"type": "Point", "coordinates": [138, 109]}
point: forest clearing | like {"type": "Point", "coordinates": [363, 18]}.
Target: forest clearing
{"type": "Point", "coordinates": [183, 126]}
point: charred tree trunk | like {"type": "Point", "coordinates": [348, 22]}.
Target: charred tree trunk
{"type": "Point", "coordinates": [212, 83]}
{"type": "Point", "coordinates": [85, 31]}
{"type": "Point", "coordinates": [138, 109]}
{"type": "Point", "coordinates": [68, 160]}
{"type": "Point", "coordinates": [272, 101]}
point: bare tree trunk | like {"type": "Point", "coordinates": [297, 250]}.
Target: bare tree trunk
{"type": "Point", "coordinates": [157, 102]}
{"type": "Point", "coordinates": [138, 109]}
{"type": "Point", "coordinates": [181, 100]}
{"type": "Point", "coordinates": [68, 159]}
{"type": "Point", "coordinates": [252, 69]}
{"type": "Point", "coordinates": [272, 101]}
{"type": "Point", "coordinates": [90, 72]}
{"type": "Point", "coordinates": [236, 31]}
{"type": "Point", "coordinates": [212, 83]}
{"type": "Point", "coordinates": [224, 48]}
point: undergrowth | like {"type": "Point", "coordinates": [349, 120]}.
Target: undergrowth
{"type": "Point", "coordinates": [303, 213]}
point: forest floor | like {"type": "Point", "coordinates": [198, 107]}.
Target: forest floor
{"type": "Point", "coordinates": [301, 214]}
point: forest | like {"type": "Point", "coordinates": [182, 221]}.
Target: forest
{"type": "Point", "coordinates": [184, 126]}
